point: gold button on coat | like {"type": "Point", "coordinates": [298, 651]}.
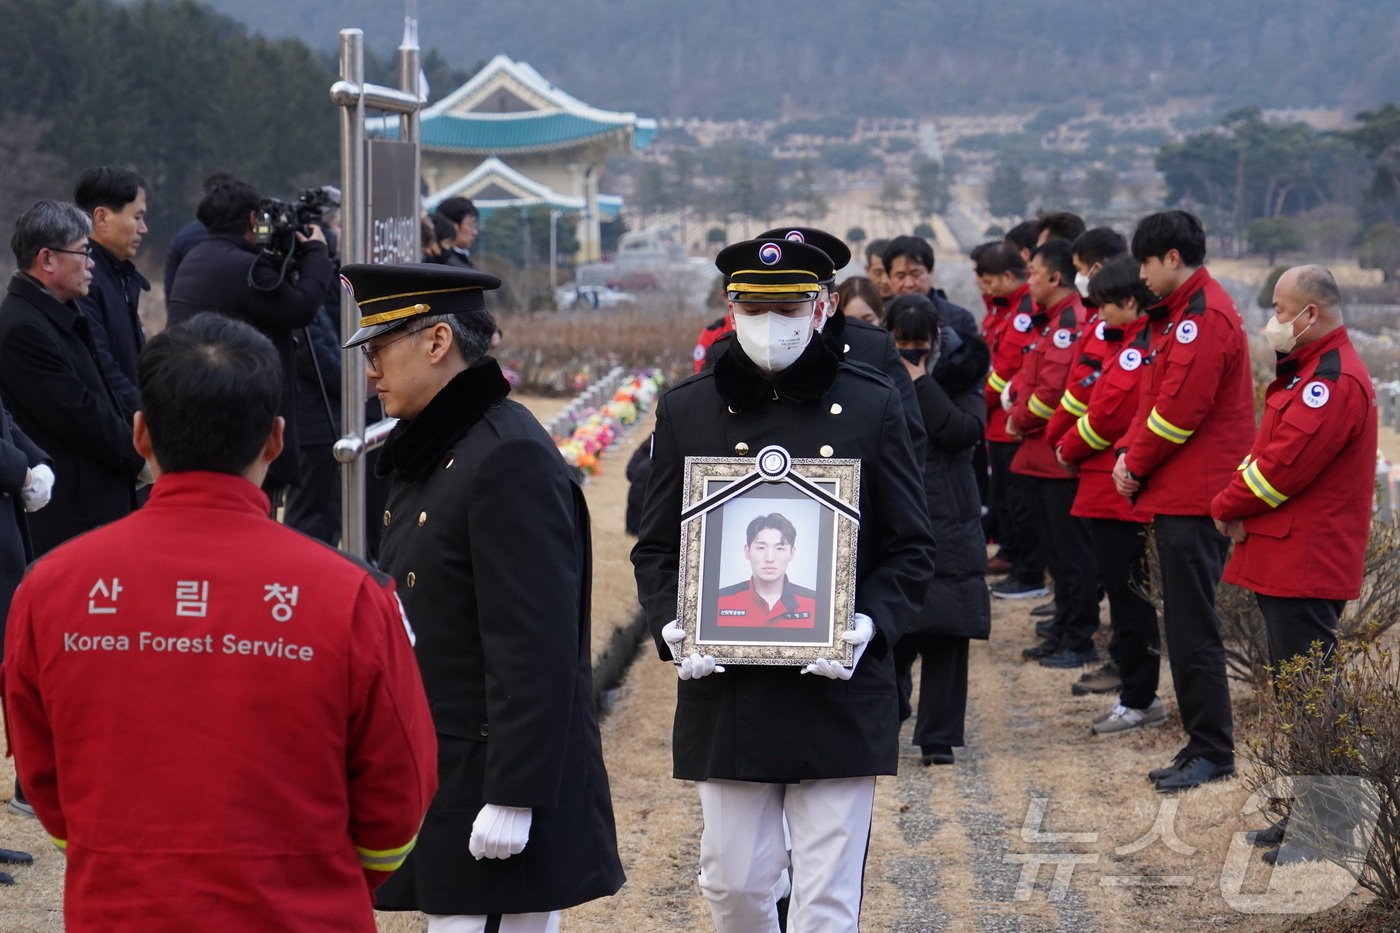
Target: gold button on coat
{"type": "Point", "coordinates": [826, 450]}
{"type": "Point", "coordinates": [741, 448]}
{"type": "Point", "coordinates": [448, 464]}
{"type": "Point", "coordinates": [836, 408]}
{"type": "Point", "coordinates": [411, 579]}
{"type": "Point", "coordinates": [386, 516]}
{"type": "Point", "coordinates": [422, 518]}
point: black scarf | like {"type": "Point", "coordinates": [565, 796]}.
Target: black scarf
{"type": "Point", "coordinates": [416, 446]}
{"type": "Point", "coordinates": [743, 385]}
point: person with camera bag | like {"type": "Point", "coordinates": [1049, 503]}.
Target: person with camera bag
{"type": "Point", "coordinates": [250, 270]}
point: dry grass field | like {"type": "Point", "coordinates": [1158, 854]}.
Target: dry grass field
{"type": "Point", "coordinates": [1040, 826]}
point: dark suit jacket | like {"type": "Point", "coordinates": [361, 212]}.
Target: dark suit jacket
{"type": "Point", "coordinates": [110, 306]}
{"type": "Point", "coordinates": [17, 454]}
{"type": "Point", "coordinates": [51, 383]}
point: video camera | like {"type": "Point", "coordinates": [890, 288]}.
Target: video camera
{"type": "Point", "coordinates": [278, 222]}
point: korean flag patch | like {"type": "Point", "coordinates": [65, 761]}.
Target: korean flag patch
{"type": "Point", "coordinates": [1022, 322]}
{"type": "Point", "coordinates": [1316, 394]}
{"type": "Point", "coordinates": [1063, 337]}
{"type": "Point", "coordinates": [1187, 332]}
{"type": "Point", "coordinates": [1130, 359]}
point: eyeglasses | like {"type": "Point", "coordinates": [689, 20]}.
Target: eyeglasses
{"type": "Point", "coordinates": [85, 251]}
{"type": "Point", "coordinates": [371, 355]}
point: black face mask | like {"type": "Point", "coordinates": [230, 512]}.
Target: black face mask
{"type": "Point", "coordinates": [915, 357]}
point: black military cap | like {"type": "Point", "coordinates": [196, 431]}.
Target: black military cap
{"type": "Point", "coordinates": [828, 243]}
{"type": "Point", "coordinates": [773, 270]}
{"type": "Point", "coordinates": [390, 295]}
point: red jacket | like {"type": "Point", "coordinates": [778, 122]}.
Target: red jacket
{"type": "Point", "coordinates": [1196, 412]}
{"type": "Point", "coordinates": [708, 336]}
{"type": "Point", "coordinates": [1009, 345]}
{"type": "Point", "coordinates": [1111, 405]}
{"type": "Point", "coordinates": [1093, 349]}
{"type": "Point", "coordinates": [220, 720]}
{"type": "Point", "coordinates": [1041, 383]}
{"type": "Point", "coordinates": [1306, 489]}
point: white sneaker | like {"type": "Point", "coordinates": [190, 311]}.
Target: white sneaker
{"type": "Point", "coordinates": [1126, 719]}
{"type": "Point", "coordinates": [21, 808]}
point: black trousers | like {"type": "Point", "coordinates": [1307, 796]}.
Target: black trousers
{"type": "Point", "coordinates": [1069, 555]}
{"type": "Point", "coordinates": [980, 469]}
{"type": "Point", "coordinates": [1013, 500]}
{"type": "Point", "coordinates": [1120, 549]}
{"type": "Point", "coordinates": [313, 508]}
{"type": "Point", "coordinates": [1294, 623]}
{"type": "Point", "coordinates": [1192, 556]}
{"type": "Point", "coordinates": [942, 685]}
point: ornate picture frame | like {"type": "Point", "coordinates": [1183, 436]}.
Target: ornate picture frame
{"type": "Point", "coordinates": [768, 558]}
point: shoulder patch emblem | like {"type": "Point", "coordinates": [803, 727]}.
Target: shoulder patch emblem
{"type": "Point", "coordinates": [1022, 322]}
{"type": "Point", "coordinates": [1130, 359]}
{"type": "Point", "coordinates": [699, 353]}
{"type": "Point", "coordinates": [1316, 394]}
{"type": "Point", "coordinates": [1187, 332]}
{"type": "Point", "coordinates": [1063, 337]}
{"type": "Point", "coordinates": [1099, 330]}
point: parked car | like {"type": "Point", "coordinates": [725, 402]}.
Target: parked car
{"type": "Point", "coordinates": [583, 297]}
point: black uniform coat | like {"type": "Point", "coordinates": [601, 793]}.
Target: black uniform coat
{"type": "Point", "coordinates": [17, 454]}
{"type": "Point", "coordinates": [110, 306]}
{"type": "Point", "coordinates": [774, 724]}
{"type": "Point", "coordinates": [51, 383]}
{"type": "Point", "coordinates": [213, 276]}
{"type": "Point", "coordinates": [955, 414]}
{"type": "Point", "coordinates": [488, 538]}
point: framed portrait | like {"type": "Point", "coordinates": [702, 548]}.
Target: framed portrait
{"type": "Point", "coordinates": [768, 557]}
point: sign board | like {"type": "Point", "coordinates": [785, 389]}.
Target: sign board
{"type": "Point", "coordinates": [392, 223]}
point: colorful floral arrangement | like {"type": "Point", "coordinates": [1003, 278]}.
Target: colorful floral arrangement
{"type": "Point", "coordinates": [599, 428]}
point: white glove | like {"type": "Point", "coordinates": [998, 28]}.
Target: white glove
{"type": "Point", "coordinates": [37, 492]}
{"type": "Point", "coordinates": [499, 832]}
{"type": "Point", "coordinates": [145, 477]}
{"type": "Point", "coordinates": [673, 635]}
{"type": "Point", "coordinates": [1006, 401]}
{"type": "Point", "coordinates": [859, 634]}
{"type": "Point", "coordinates": [688, 668]}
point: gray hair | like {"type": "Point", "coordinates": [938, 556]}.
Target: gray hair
{"type": "Point", "coordinates": [471, 341]}
{"type": "Point", "coordinates": [47, 225]}
{"type": "Point", "coordinates": [1315, 285]}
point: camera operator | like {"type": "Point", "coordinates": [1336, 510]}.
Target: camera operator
{"type": "Point", "coordinates": [230, 274]}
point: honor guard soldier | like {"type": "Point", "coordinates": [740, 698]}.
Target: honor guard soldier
{"type": "Point", "coordinates": [487, 535]}
{"type": "Point", "coordinates": [219, 720]}
{"type": "Point", "coordinates": [764, 742]}
{"type": "Point", "coordinates": [1194, 420]}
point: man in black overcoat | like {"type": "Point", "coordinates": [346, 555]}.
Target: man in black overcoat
{"type": "Point", "coordinates": [802, 742]}
{"type": "Point", "coordinates": [52, 383]}
{"type": "Point", "coordinates": [488, 538]}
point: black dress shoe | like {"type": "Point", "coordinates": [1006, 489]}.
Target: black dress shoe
{"type": "Point", "coordinates": [1044, 609]}
{"type": "Point", "coordinates": [12, 857]}
{"type": "Point", "coordinates": [1270, 838]}
{"type": "Point", "coordinates": [1042, 650]}
{"type": "Point", "coordinates": [1193, 773]}
{"type": "Point", "coordinates": [937, 755]}
{"type": "Point", "coordinates": [6, 878]}
{"type": "Point", "coordinates": [1067, 658]}
{"type": "Point", "coordinates": [1156, 774]}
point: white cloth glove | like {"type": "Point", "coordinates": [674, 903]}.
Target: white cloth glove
{"type": "Point", "coordinates": [145, 477]}
{"type": "Point", "coordinates": [859, 634]}
{"type": "Point", "coordinates": [688, 668]}
{"type": "Point", "coordinates": [39, 491]}
{"type": "Point", "coordinates": [500, 832]}
{"type": "Point", "coordinates": [1006, 402]}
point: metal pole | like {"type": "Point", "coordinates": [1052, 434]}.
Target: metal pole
{"type": "Point", "coordinates": [553, 250]}
{"type": "Point", "coordinates": [354, 249]}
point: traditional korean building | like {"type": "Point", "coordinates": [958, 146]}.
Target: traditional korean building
{"type": "Point", "coordinates": [509, 138]}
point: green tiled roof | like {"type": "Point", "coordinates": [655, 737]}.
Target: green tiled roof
{"type": "Point", "coordinates": [522, 133]}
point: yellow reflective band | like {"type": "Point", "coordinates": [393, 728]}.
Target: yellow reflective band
{"type": "Point", "coordinates": [750, 288]}
{"type": "Point", "coordinates": [61, 843]}
{"type": "Point", "coordinates": [1260, 487]}
{"type": "Point", "coordinates": [1243, 463]}
{"type": "Point", "coordinates": [1073, 405]}
{"type": "Point", "coordinates": [385, 859]}
{"type": "Point", "coordinates": [1040, 409]}
{"type": "Point", "coordinates": [1166, 430]}
{"type": "Point", "coordinates": [996, 382]}
{"type": "Point", "coordinates": [432, 291]}
{"type": "Point", "coordinates": [1090, 436]}
{"type": "Point", "coordinates": [398, 314]}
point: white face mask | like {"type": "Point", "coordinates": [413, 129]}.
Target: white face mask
{"type": "Point", "coordinates": [1281, 336]}
{"type": "Point", "coordinates": [1081, 282]}
{"type": "Point", "coordinates": [772, 341]}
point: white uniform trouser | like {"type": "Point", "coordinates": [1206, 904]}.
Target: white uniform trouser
{"type": "Point", "coordinates": [742, 853]}
{"type": "Point", "coordinates": [504, 923]}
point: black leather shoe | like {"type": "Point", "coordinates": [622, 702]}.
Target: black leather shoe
{"type": "Point", "coordinates": [1270, 838]}
{"type": "Point", "coordinates": [11, 857]}
{"type": "Point", "coordinates": [1193, 773]}
{"type": "Point", "coordinates": [1156, 774]}
{"type": "Point", "coordinates": [1291, 853]}
{"type": "Point", "coordinates": [1042, 650]}
{"type": "Point", "coordinates": [6, 878]}
{"type": "Point", "coordinates": [937, 755]}
{"type": "Point", "coordinates": [1067, 658]}
{"type": "Point", "coordinates": [1044, 609]}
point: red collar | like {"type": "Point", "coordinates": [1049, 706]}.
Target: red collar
{"type": "Point", "coordinates": [1302, 356]}
{"type": "Point", "coordinates": [205, 490]}
{"type": "Point", "coordinates": [1176, 302]}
